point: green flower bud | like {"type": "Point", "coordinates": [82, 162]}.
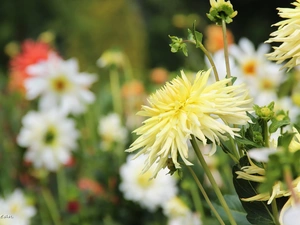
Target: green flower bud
{"type": "Point", "coordinates": [265, 112]}
{"type": "Point", "coordinates": [221, 10]}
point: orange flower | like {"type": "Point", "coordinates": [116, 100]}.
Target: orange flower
{"type": "Point", "coordinates": [90, 185]}
{"type": "Point", "coordinates": [159, 75]}
{"type": "Point", "coordinates": [31, 53]}
{"type": "Point", "coordinates": [132, 88]}
{"type": "Point", "coordinates": [214, 38]}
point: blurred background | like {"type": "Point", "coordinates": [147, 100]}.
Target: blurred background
{"type": "Point", "coordinates": [137, 31]}
{"type": "Point", "coordinates": [84, 29]}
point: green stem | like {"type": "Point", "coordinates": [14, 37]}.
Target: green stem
{"type": "Point", "coordinates": [266, 133]}
{"type": "Point", "coordinates": [289, 181]}
{"type": "Point", "coordinates": [128, 69]}
{"type": "Point", "coordinates": [42, 212]}
{"type": "Point", "coordinates": [61, 186]}
{"type": "Point", "coordinates": [206, 196]}
{"type": "Point", "coordinates": [212, 180]}
{"type": "Point", "coordinates": [209, 57]}
{"type": "Point", "coordinates": [226, 55]}
{"type": "Point", "coordinates": [115, 91]}
{"type": "Point", "coordinates": [211, 61]}
{"type": "Point", "coordinates": [235, 150]}
{"type": "Point", "coordinates": [52, 207]}
{"type": "Point", "coordinates": [275, 212]}
{"type": "Point", "coordinates": [196, 199]}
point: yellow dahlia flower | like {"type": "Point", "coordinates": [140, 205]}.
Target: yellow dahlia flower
{"type": "Point", "coordinates": [181, 109]}
{"type": "Point", "coordinates": [288, 33]}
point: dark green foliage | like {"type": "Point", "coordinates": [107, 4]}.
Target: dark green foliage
{"type": "Point", "coordinates": [258, 212]}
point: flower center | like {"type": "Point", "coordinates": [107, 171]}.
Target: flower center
{"type": "Point", "coordinates": [60, 84]}
{"type": "Point", "coordinates": [249, 68]}
{"type": "Point", "coordinates": [144, 180]}
{"type": "Point", "coordinates": [15, 208]}
{"type": "Point", "coordinates": [50, 136]}
{"type": "Point", "coordinates": [267, 84]}
{"type": "Point", "coordinates": [296, 99]}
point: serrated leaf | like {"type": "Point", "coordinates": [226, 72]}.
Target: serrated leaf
{"type": "Point", "coordinates": [190, 35]}
{"type": "Point", "coordinates": [250, 144]}
{"type": "Point", "coordinates": [197, 36]}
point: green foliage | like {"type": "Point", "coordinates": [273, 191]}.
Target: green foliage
{"type": "Point", "coordinates": [251, 137]}
{"type": "Point", "coordinates": [195, 36]}
{"type": "Point", "coordinates": [258, 212]}
{"type": "Point", "coordinates": [236, 209]}
{"type": "Point", "coordinates": [280, 120]}
{"type": "Point", "coordinates": [178, 45]}
{"type": "Point", "coordinates": [221, 11]}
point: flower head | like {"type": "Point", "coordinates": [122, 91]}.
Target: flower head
{"type": "Point", "coordinates": [111, 131]}
{"type": "Point", "coordinates": [221, 10]}
{"type": "Point", "coordinates": [179, 213]}
{"type": "Point", "coordinates": [16, 206]}
{"type": "Point", "coordinates": [60, 85]}
{"type": "Point", "coordinates": [140, 188]}
{"type": "Point", "coordinates": [263, 76]}
{"type": "Point", "coordinates": [288, 35]}
{"type": "Point", "coordinates": [49, 138]}
{"type": "Point", "coordinates": [31, 53]}
{"type": "Point", "coordinates": [112, 57]}
{"type": "Point", "coordinates": [291, 216]}
{"type": "Point", "coordinates": [181, 109]}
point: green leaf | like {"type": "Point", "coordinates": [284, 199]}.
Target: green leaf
{"type": "Point", "coordinates": [285, 139]}
{"type": "Point", "coordinates": [236, 209]}
{"type": "Point", "coordinates": [197, 35]}
{"type": "Point", "coordinates": [250, 144]}
{"type": "Point", "coordinates": [190, 35]}
{"type": "Point", "coordinates": [258, 212]}
{"type": "Point", "coordinates": [273, 173]}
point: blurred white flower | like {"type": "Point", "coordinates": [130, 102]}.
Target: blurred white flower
{"type": "Point", "coordinates": [291, 216]}
{"type": "Point", "coordinates": [111, 130]}
{"type": "Point", "coordinates": [60, 85]}
{"type": "Point", "coordinates": [190, 219]}
{"type": "Point", "coordinates": [262, 76]}
{"type": "Point", "coordinates": [261, 154]}
{"type": "Point", "coordinates": [15, 210]}
{"type": "Point", "coordinates": [139, 187]}
{"type": "Point", "coordinates": [287, 104]}
{"type": "Point", "coordinates": [175, 207]}
{"type": "Point", "coordinates": [219, 60]}
{"type": "Point", "coordinates": [178, 213]}
{"type": "Point", "coordinates": [49, 138]}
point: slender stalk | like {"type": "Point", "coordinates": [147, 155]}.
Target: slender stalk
{"type": "Point", "coordinates": [209, 57]}
{"type": "Point", "coordinates": [43, 212]}
{"type": "Point", "coordinates": [266, 133]}
{"type": "Point", "coordinates": [128, 69]}
{"type": "Point", "coordinates": [206, 196]}
{"type": "Point", "coordinates": [61, 186]}
{"type": "Point", "coordinates": [235, 150]}
{"type": "Point", "coordinates": [212, 181]}
{"type": "Point", "coordinates": [211, 61]}
{"type": "Point", "coordinates": [51, 206]}
{"type": "Point", "coordinates": [289, 181]}
{"type": "Point", "coordinates": [115, 91]}
{"type": "Point", "coordinates": [226, 55]}
{"type": "Point", "coordinates": [275, 212]}
{"type": "Point", "coordinates": [197, 200]}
